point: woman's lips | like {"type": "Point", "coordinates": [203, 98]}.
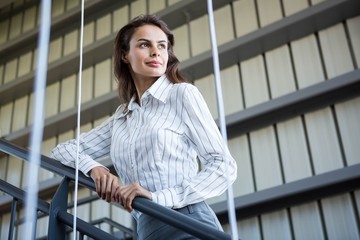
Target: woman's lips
{"type": "Point", "coordinates": [153, 64]}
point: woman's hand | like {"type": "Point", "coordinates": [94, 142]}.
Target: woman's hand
{"type": "Point", "coordinates": [106, 183]}
{"type": "Point", "coordinates": [126, 194]}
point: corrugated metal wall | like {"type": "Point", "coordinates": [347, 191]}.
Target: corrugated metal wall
{"type": "Point", "coordinates": [297, 148]}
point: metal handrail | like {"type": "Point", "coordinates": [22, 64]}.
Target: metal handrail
{"type": "Point", "coordinates": [143, 205]}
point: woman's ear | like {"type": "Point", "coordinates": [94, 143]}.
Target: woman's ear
{"type": "Point", "coordinates": [124, 58]}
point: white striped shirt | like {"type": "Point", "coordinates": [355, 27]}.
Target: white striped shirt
{"type": "Point", "coordinates": [157, 145]}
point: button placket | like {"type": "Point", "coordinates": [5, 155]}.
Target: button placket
{"type": "Point", "coordinates": [133, 139]}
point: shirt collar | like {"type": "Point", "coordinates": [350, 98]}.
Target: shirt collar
{"type": "Point", "coordinates": [159, 90]}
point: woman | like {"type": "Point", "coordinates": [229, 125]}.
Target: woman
{"type": "Point", "coordinates": [156, 137]}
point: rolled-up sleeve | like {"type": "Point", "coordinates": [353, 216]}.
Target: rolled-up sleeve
{"type": "Point", "coordinates": [92, 145]}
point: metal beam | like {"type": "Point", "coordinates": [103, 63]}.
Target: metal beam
{"type": "Point", "coordinates": [317, 96]}
{"type": "Point", "coordinates": [20, 195]}
{"type": "Point", "coordinates": [291, 194]}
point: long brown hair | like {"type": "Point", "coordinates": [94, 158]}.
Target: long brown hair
{"type": "Point", "coordinates": [126, 86]}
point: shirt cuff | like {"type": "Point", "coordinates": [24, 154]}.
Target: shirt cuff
{"type": "Point", "coordinates": [86, 169]}
{"type": "Point", "coordinates": [166, 198]}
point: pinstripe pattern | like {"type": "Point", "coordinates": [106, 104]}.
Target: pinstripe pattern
{"type": "Point", "coordinates": [157, 145]}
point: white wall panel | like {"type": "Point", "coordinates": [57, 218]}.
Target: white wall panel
{"type": "Point", "coordinates": [239, 149]}
{"type": "Point", "coordinates": [15, 25]}
{"type": "Point", "coordinates": [6, 116]}
{"type": "Point", "coordinates": [3, 168]}
{"type": "Point", "coordinates": [276, 226]}
{"type": "Point", "coordinates": [249, 229]}
{"type": "Point", "coordinates": [170, 2]}
{"type": "Point", "coordinates": [47, 145]}
{"type": "Point", "coordinates": [156, 5]}
{"type": "Point", "coordinates": [357, 200]}
{"type": "Point", "coordinates": [348, 116]}
{"type": "Point", "coordinates": [10, 70]}
{"type": "Point", "coordinates": [280, 71]}
{"type": "Point", "coordinates": [121, 216]}
{"type": "Point", "coordinates": [86, 127]}
{"type": "Point", "coordinates": [120, 18]}
{"type": "Point", "coordinates": [324, 144]}
{"type": "Point", "coordinates": [1, 74]}
{"type": "Point", "coordinates": [103, 26]}
{"type": "Point", "coordinates": [137, 8]}
{"type": "Point", "coordinates": [55, 50]}
{"type": "Point", "coordinates": [293, 150]}
{"type": "Point", "coordinates": [206, 86]}
{"type": "Point", "coordinates": [306, 221]}
{"type": "Point", "coordinates": [307, 61]}
{"type": "Point", "coordinates": [65, 136]}
{"type": "Point", "coordinates": [354, 32]}
{"type": "Point", "coordinates": [199, 42]}
{"type": "Point", "coordinates": [269, 11]}
{"type": "Point", "coordinates": [339, 217]}
{"type": "Point", "coordinates": [4, 227]}
{"type": "Point", "coordinates": [30, 109]}
{"type": "Point", "coordinates": [231, 90]}
{"type": "Point", "coordinates": [182, 44]}
{"type": "Point", "coordinates": [99, 209]}
{"type": "Point", "coordinates": [87, 86]}
{"type": "Point", "coordinates": [58, 7]}
{"type": "Point", "coordinates": [71, 42]}
{"type": "Point", "coordinates": [245, 17]}
{"type": "Point", "coordinates": [52, 99]}
{"type": "Point", "coordinates": [89, 34]}
{"type": "Point", "coordinates": [103, 78]}
{"type": "Point", "coordinates": [20, 113]}
{"type": "Point", "coordinates": [335, 49]}
{"type": "Point", "coordinates": [254, 81]}
{"type": "Point", "coordinates": [4, 29]}
{"type": "Point", "coordinates": [291, 6]}
{"type": "Point", "coordinates": [265, 158]}
{"type": "Point", "coordinates": [25, 64]}
{"type": "Point", "coordinates": [99, 121]}
{"type": "Point", "coordinates": [68, 93]}
{"type": "Point", "coordinates": [314, 2]}
{"type": "Point", "coordinates": [29, 21]}
{"type": "Point", "coordinates": [14, 167]}
{"type": "Point", "coordinates": [71, 4]}
{"type": "Point", "coordinates": [83, 211]}
{"type": "Point", "coordinates": [223, 25]}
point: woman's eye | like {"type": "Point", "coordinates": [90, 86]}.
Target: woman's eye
{"type": "Point", "coordinates": [144, 45]}
{"type": "Point", "coordinates": [162, 46]}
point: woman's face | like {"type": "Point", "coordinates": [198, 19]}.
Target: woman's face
{"type": "Point", "coordinates": [148, 54]}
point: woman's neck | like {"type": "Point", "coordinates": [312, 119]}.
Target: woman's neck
{"type": "Point", "coordinates": [143, 84]}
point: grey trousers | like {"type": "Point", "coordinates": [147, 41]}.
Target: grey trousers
{"type": "Point", "coordinates": [149, 228]}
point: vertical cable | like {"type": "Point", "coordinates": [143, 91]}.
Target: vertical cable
{"type": "Point", "coordinates": [78, 119]}
{"type": "Point", "coordinates": [38, 122]}
{"type": "Point", "coordinates": [220, 105]}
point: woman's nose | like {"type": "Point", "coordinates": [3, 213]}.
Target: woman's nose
{"type": "Point", "coordinates": [155, 52]}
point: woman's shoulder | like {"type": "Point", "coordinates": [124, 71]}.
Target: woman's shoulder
{"type": "Point", "coordinates": [121, 111]}
{"type": "Point", "coordinates": [184, 87]}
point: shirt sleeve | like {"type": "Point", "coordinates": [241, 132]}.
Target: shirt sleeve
{"type": "Point", "coordinates": [219, 169]}
{"type": "Point", "coordinates": [92, 145]}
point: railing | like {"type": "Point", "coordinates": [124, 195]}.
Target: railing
{"type": "Point", "coordinates": [59, 218]}
{"type": "Point", "coordinates": [286, 195]}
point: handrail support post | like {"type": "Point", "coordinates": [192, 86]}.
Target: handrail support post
{"type": "Point", "coordinates": [59, 203]}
